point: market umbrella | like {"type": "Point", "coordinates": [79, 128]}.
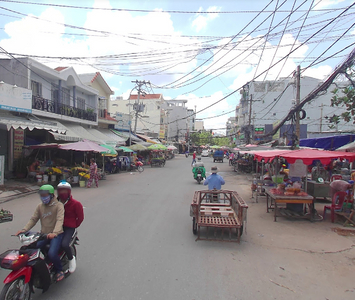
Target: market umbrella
{"type": "Point", "coordinates": [215, 147]}
{"type": "Point", "coordinates": [125, 149]}
{"type": "Point", "coordinates": [112, 151]}
{"type": "Point", "coordinates": [157, 147]}
{"type": "Point", "coordinates": [137, 147]}
{"type": "Point", "coordinates": [171, 147]}
{"type": "Point", "coordinates": [84, 146]}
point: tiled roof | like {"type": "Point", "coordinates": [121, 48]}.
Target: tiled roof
{"type": "Point", "coordinates": [148, 96]}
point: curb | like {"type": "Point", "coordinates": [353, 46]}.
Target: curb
{"type": "Point", "coordinates": [20, 195]}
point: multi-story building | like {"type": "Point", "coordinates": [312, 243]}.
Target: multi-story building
{"type": "Point", "coordinates": [191, 119]}
{"type": "Point", "coordinates": [50, 105]}
{"type": "Point", "coordinates": [270, 102]}
{"type": "Point", "coordinates": [199, 125]}
{"type": "Point", "coordinates": [178, 119]}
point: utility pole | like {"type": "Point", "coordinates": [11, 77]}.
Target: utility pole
{"type": "Point", "coordinates": [298, 96]}
{"type": "Point", "coordinates": [249, 123]}
{"type": "Point", "coordinates": [321, 118]}
{"type": "Point", "coordinates": [137, 106]}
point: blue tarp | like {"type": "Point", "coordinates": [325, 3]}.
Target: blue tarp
{"type": "Point", "coordinates": [328, 143]}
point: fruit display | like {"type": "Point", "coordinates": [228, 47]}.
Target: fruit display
{"type": "Point", "coordinates": [289, 191]}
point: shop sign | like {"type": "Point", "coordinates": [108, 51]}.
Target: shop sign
{"type": "Point", "coordinates": [14, 98]}
{"type": "Point", "coordinates": [19, 137]}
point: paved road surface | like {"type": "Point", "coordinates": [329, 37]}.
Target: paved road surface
{"type": "Point", "coordinates": [136, 243]}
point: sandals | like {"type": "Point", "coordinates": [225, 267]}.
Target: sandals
{"type": "Point", "coordinates": [60, 276]}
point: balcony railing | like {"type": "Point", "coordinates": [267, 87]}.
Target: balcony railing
{"type": "Point", "coordinates": [62, 109]}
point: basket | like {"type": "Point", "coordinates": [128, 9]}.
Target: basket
{"type": "Point", "coordinates": [280, 179]}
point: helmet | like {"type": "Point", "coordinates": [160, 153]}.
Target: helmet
{"type": "Point", "coordinates": [47, 188]}
{"type": "Point", "coordinates": [46, 192]}
{"type": "Point", "coordinates": [64, 190]}
{"type": "Point", "coordinates": [64, 185]}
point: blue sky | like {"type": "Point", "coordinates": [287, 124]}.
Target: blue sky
{"type": "Point", "coordinates": [173, 46]}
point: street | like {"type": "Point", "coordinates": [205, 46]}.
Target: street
{"type": "Point", "coordinates": [136, 242]}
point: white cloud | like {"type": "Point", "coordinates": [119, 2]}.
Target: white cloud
{"type": "Point", "coordinates": [320, 72]}
{"type": "Point", "coordinates": [202, 20]}
{"type": "Point", "coordinates": [326, 3]}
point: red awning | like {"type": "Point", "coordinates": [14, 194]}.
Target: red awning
{"type": "Point", "coordinates": [306, 155]}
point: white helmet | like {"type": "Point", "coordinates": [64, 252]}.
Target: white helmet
{"type": "Point", "coordinates": [64, 185]}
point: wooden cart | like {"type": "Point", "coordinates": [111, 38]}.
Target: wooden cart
{"type": "Point", "coordinates": [220, 209]}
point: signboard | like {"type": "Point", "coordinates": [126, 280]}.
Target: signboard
{"type": "Point", "coordinates": [19, 137]}
{"type": "Point", "coordinates": [259, 130]}
{"type": "Point", "coordinates": [2, 169]}
{"type": "Point", "coordinates": [14, 98]}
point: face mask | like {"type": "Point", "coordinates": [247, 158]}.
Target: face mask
{"type": "Point", "coordinates": [46, 199]}
{"type": "Point", "coordinates": [63, 197]}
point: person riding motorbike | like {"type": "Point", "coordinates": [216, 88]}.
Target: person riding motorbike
{"type": "Point", "coordinates": [73, 217]}
{"type": "Point", "coordinates": [50, 212]}
{"type": "Point", "coordinates": [199, 167]}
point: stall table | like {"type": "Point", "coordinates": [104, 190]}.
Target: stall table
{"type": "Point", "coordinates": [318, 190]}
{"type": "Point", "coordinates": [282, 199]}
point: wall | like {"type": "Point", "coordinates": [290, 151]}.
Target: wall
{"type": "Point", "coordinates": [13, 72]}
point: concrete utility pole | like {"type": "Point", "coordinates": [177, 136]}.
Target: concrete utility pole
{"type": "Point", "coordinates": [321, 118]}
{"type": "Point", "coordinates": [298, 96]}
{"type": "Point", "coordinates": [138, 87]}
{"type": "Point", "coordinates": [249, 123]}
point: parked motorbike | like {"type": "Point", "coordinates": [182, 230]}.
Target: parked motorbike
{"type": "Point", "coordinates": [137, 166]}
{"type": "Point", "coordinates": [114, 166]}
{"type": "Point", "coordinates": [31, 267]}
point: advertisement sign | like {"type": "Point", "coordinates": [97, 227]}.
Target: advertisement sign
{"type": "Point", "coordinates": [14, 98]}
{"type": "Point", "coordinates": [19, 137]}
{"type": "Point", "coordinates": [2, 169]}
{"type": "Point", "coordinates": [259, 130]}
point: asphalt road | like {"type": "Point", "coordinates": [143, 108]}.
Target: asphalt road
{"type": "Point", "coordinates": [136, 242]}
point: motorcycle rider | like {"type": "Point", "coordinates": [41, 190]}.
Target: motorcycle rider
{"type": "Point", "coordinates": [199, 166]}
{"type": "Point", "coordinates": [50, 212]}
{"type": "Point", "coordinates": [214, 181]}
{"type": "Point", "coordinates": [73, 217]}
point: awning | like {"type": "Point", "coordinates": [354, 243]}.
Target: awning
{"type": "Point", "coordinates": [69, 136]}
{"type": "Point", "coordinates": [29, 122]}
{"type": "Point", "coordinates": [147, 139]}
{"type": "Point", "coordinates": [106, 140]}
{"type": "Point", "coordinates": [126, 135]}
{"type": "Point", "coordinates": [82, 132]}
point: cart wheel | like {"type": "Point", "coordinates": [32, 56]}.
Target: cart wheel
{"type": "Point", "coordinates": [194, 225]}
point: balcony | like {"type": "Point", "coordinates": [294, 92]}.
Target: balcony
{"type": "Point", "coordinates": [62, 109]}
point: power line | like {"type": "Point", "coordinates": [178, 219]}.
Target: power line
{"type": "Point", "coordinates": [152, 11]}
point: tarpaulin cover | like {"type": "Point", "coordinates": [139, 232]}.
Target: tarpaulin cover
{"type": "Point", "coordinates": [328, 143]}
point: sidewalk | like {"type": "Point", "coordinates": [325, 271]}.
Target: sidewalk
{"type": "Point", "coordinates": [16, 188]}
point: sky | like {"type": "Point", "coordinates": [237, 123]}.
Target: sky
{"type": "Point", "coordinates": [202, 51]}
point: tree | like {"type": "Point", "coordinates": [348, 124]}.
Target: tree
{"type": "Point", "coordinates": [344, 98]}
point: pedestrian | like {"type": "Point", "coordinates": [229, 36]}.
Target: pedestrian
{"type": "Point", "coordinates": [93, 173]}
{"type": "Point", "coordinates": [193, 158]}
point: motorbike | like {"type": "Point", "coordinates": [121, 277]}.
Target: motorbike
{"type": "Point", "coordinates": [137, 166]}
{"type": "Point", "coordinates": [199, 177]}
{"type": "Point", "coordinates": [31, 267]}
{"type": "Point", "coordinates": [114, 166]}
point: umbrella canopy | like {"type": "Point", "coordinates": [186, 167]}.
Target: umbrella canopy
{"type": "Point", "coordinates": [348, 147]}
{"type": "Point", "coordinates": [157, 147]}
{"type": "Point", "coordinates": [125, 149]}
{"type": "Point", "coordinates": [84, 146]}
{"type": "Point", "coordinates": [171, 147]}
{"type": "Point", "coordinates": [137, 147]}
{"type": "Point", "coordinates": [236, 149]}
{"type": "Point", "coordinates": [215, 147]}
{"type": "Point", "coordinates": [112, 151]}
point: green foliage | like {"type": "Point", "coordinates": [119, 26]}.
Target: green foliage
{"type": "Point", "coordinates": [343, 98]}
{"type": "Point", "coordinates": [206, 137]}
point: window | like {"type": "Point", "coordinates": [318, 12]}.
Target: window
{"type": "Point", "coordinates": [54, 93]}
{"type": "Point", "coordinates": [65, 96]}
{"type": "Point", "coordinates": [36, 88]}
{"type": "Point", "coordinates": [80, 103]}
